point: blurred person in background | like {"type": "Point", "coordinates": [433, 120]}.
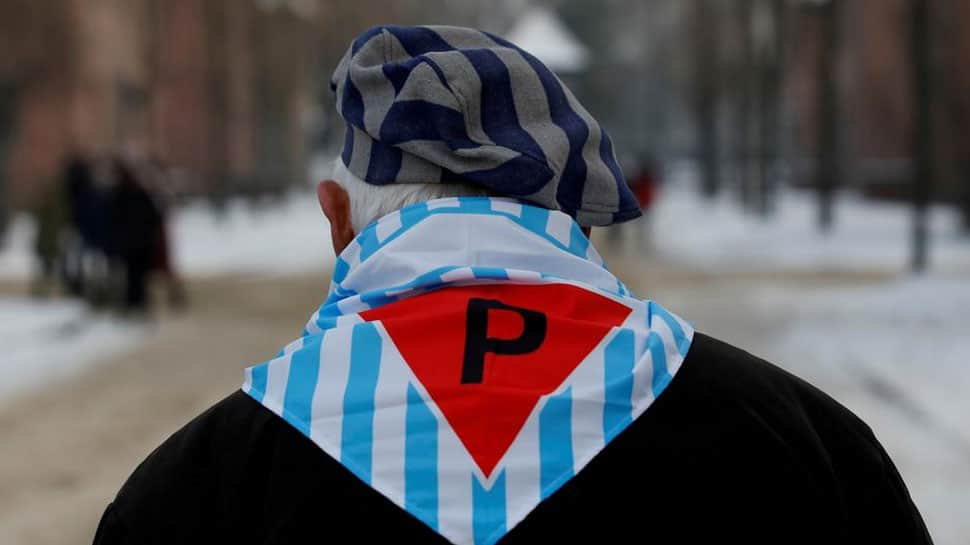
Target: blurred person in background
{"type": "Point", "coordinates": [643, 181]}
{"type": "Point", "coordinates": [476, 374]}
{"type": "Point", "coordinates": [53, 219]}
{"type": "Point", "coordinates": [135, 222]}
{"type": "Point", "coordinates": [645, 186]}
{"type": "Point", "coordinates": [155, 174]}
{"type": "Point", "coordinates": [87, 245]}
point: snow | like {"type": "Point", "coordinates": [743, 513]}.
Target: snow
{"type": "Point", "coordinates": [16, 253]}
{"type": "Point", "coordinates": [290, 236]}
{"type": "Point", "coordinates": [287, 236]}
{"type": "Point", "coordinates": [540, 32]}
{"type": "Point", "coordinates": [867, 236]}
{"type": "Point", "coordinates": [50, 340]}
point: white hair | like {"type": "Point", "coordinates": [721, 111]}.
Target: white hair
{"type": "Point", "coordinates": [369, 202]}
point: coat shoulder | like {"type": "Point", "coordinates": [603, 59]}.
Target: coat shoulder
{"type": "Point", "coordinates": [754, 436]}
{"type": "Point", "coordinates": [716, 372]}
{"type": "Point", "coordinates": [202, 466]}
{"type": "Point", "coordinates": [731, 435]}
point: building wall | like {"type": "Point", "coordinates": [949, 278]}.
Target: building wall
{"type": "Point", "coordinates": [876, 78]}
{"type": "Point", "coordinates": [191, 82]}
{"type": "Point", "coordinates": [876, 93]}
{"type": "Point", "coordinates": [182, 124]}
{"type": "Point", "coordinates": [37, 67]}
{"type": "Point", "coordinates": [110, 89]}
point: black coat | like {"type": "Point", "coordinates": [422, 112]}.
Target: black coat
{"type": "Point", "coordinates": [735, 450]}
{"type": "Point", "coordinates": [135, 221]}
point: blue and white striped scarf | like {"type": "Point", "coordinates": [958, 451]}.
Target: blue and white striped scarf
{"type": "Point", "coordinates": [351, 383]}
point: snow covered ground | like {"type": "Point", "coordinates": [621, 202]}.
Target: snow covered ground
{"type": "Point", "coordinates": [47, 340]}
{"type": "Point", "coordinates": [286, 236]}
{"type": "Point", "coordinates": [16, 253]}
{"type": "Point", "coordinates": [717, 237]}
{"type": "Point", "coordinates": [290, 236]}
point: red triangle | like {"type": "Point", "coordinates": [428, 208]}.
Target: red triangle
{"type": "Point", "coordinates": [430, 332]}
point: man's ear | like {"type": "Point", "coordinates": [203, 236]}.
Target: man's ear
{"type": "Point", "coordinates": [335, 204]}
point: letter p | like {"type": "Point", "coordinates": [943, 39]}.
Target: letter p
{"type": "Point", "coordinates": [478, 343]}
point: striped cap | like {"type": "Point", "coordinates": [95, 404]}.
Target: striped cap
{"type": "Point", "coordinates": [449, 104]}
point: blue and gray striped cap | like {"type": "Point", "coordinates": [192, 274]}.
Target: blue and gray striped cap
{"type": "Point", "coordinates": [448, 104]}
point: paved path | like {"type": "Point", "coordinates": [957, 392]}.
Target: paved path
{"type": "Point", "coordinates": [66, 450]}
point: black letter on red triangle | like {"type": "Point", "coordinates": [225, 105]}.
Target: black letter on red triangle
{"type": "Point", "coordinates": [478, 343]}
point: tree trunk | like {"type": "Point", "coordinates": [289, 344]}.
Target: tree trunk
{"type": "Point", "coordinates": [828, 167]}
{"type": "Point", "coordinates": [7, 99]}
{"type": "Point", "coordinates": [744, 91]}
{"type": "Point", "coordinates": [964, 174]}
{"type": "Point", "coordinates": [771, 74]}
{"type": "Point", "coordinates": [923, 133]}
{"type": "Point", "coordinates": [706, 77]}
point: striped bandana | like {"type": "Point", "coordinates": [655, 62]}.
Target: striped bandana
{"type": "Point", "coordinates": [472, 356]}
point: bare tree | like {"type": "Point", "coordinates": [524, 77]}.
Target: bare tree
{"type": "Point", "coordinates": [769, 27]}
{"type": "Point", "coordinates": [6, 136]}
{"type": "Point", "coordinates": [706, 94]}
{"type": "Point", "coordinates": [742, 91]}
{"type": "Point", "coordinates": [828, 165]}
{"type": "Point", "coordinates": [964, 173]}
{"type": "Point", "coordinates": [923, 134]}
{"type": "Point", "coordinates": [953, 91]}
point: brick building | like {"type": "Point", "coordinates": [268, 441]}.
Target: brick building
{"type": "Point", "coordinates": [874, 68]}
{"type": "Point", "coordinates": [215, 88]}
